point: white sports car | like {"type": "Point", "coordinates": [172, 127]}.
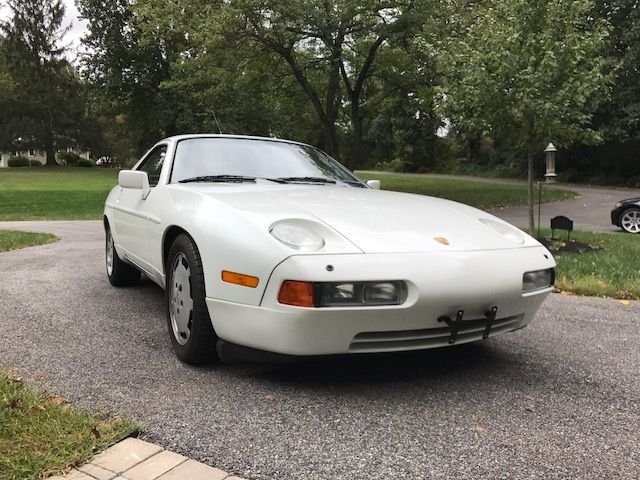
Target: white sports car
{"type": "Point", "coordinates": [268, 247]}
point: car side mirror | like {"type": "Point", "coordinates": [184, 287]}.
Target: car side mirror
{"type": "Point", "coordinates": [136, 180]}
{"type": "Point", "coordinates": [375, 184]}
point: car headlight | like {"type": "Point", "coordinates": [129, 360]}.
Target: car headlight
{"type": "Point", "coordinates": [297, 236]}
{"type": "Point", "coordinates": [507, 231]}
{"type": "Point", "coordinates": [342, 294]}
{"type": "Point", "coordinates": [538, 280]}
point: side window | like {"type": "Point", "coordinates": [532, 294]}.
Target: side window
{"type": "Point", "coordinates": [153, 164]}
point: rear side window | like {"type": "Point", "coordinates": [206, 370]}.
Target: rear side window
{"type": "Point", "coordinates": [152, 164]}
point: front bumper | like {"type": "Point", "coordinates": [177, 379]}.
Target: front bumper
{"type": "Point", "coordinates": [439, 285]}
{"type": "Point", "coordinates": [615, 216]}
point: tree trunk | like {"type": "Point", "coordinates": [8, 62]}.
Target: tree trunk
{"type": "Point", "coordinates": [357, 155]}
{"type": "Point", "coordinates": [331, 139]}
{"type": "Point", "coordinates": [327, 119]}
{"type": "Point", "coordinates": [532, 225]}
{"type": "Point", "coordinates": [50, 150]}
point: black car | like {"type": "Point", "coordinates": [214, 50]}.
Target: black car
{"type": "Point", "coordinates": [626, 215]}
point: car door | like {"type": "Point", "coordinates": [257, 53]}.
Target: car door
{"type": "Point", "coordinates": [132, 216]}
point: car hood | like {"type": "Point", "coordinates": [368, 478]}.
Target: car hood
{"type": "Point", "coordinates": [631, 200]}
{"type": "Point", "coordinates": [376, 221]}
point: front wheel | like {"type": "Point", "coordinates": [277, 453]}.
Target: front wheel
{"type": "Point", "coordinates": [630, 220]}
{"type": "Point", "coordinates": [190, 328]}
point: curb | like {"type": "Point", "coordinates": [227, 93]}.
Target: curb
{"type": "Point", "coordinates": [134, 459]}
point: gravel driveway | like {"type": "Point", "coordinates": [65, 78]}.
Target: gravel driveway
{"type": "Point", "coordinates": [556, 400]}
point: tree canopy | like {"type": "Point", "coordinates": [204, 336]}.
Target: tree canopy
{"type": "Point", "coordinates": [40, 92]}
{"type": "Point", "coordinates": [400, 84]}
{"type": "Point", "coordinates": [541, 79]}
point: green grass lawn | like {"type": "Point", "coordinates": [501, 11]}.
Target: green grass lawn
{"type": "Point", "coordinates": [12, 240]}
{"type": "Point", "coordinates": [79, 193]}
{"type": "Point", "coordinates": [610, 272]}
{"type": "Point", "coordinates": [478, 194]}
{"type": "Point", "coordinates": [41, 434]}
{"type": "Point", "coordinates": [54, 193]}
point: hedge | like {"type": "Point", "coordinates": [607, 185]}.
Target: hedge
{"type": "Point", "coordinates": [20, 161]}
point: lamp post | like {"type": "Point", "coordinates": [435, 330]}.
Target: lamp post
{"type": "Point", "coordinates": [550, 175]}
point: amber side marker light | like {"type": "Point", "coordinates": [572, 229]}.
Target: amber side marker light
{"type": "Point", "coordinates": [298, 294]}
{"type": "Point", "coordinates": [240, 279]}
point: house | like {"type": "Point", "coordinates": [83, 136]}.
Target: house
{"type": "Point", "coordinates": [37, 155]}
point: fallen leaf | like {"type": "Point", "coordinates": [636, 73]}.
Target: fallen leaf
{"type": "Point", "coordinates": [269, 397]}
{"type": "Point", "coordinates": [55, 400]}
{"type": "Point", "coordinates": [37, 408]}
{"type": "Point", "coordinates": [15, 404]}
{"type": "Point", "coordinates": [479, 429]}
{"type": "Point", "coordinates": [624, 302]}
{"type": "Point", "coordinates": [95, 433]}
{"type": "Point", "coordinates": [530, 408]}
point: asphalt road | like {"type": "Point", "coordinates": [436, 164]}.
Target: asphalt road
{"type": "Point", "coordinates": [590, 211]}
{"type": "Point", "coordinates": [558, 399]}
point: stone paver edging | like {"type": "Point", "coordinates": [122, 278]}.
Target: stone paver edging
{"type": "Point", "coordinates": [134, 459]}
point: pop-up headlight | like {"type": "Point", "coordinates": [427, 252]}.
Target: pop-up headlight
{"type": "Point", "coordinates": [507, 231]}
{"type": "Point", "coordinates": [297, 236]}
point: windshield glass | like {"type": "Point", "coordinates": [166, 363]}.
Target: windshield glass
{"type": "Point", "coordinates": [197, 157]}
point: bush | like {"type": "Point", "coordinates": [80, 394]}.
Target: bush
{"type": "Point", "coordinates": [69, 158]}
{"type": "Point", "coordinates": [395, 165]}
{"type": "Point", "coordinates": [633, 182]}
{"type": "Point", "coordinates": [19, 161]}
{"type": "Point", "coordinates": [83, 162]}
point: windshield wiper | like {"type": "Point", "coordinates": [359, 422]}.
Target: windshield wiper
{"type": "Point", "coordinates": [219, 178]}
{"type": "Point", "coordinates": [307, 179]}
{"type": "Point", "coordinates": [228, 178]}
{"type": "Point", "coordinates": [353, 183]}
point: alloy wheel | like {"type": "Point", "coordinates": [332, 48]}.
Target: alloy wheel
{"type": "Point", "coordinates": [180, 300]}
{"type": "Point", "coordinates": [109, 253]}
{"type": "Point", "coordinates": [630, 221]}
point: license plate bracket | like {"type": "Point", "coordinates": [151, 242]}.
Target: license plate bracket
{"type": "Point", "coordinates": [457, 323]}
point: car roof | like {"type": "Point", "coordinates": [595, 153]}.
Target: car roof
{"type": "Point", "coordinates": [189, 136]}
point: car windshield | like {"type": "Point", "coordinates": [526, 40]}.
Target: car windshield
{"type": "Point", "coordinates": [201, 159]}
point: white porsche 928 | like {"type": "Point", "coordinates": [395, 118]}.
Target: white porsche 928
{"type": "Point", "coordinates": [268, 247]}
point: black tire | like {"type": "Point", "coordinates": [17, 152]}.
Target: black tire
{"type": "Point", "coordinates": [630, 220]}
{"type": "Point", "coordinates": [120, 273]}
{"type": "Point", "coordinates": [192, 335]}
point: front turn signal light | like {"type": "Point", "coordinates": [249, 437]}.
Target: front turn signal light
{"type": "Point", "coordinates": [298, 294]}
{"type": "Point", "coordinates": [240, 279]}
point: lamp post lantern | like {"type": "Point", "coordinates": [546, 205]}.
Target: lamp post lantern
{"type": "Point", "coordinates": [550, 175]}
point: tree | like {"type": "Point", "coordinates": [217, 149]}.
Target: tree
{"type": "Point", "coordinates": [619, 119]}
{"type": "Point", "coordinates": [44, 107]}
{"type": "Point", "coordinates": [331, 48]}
{"type": "Point", "coordinates": [526, 72]}
{"type": "Point", "coordinates": [128, 68]}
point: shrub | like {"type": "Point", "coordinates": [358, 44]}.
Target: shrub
{"type": "Point", "coordinates": [83, 162]}
{"type": "Point", "coordinates": [69, 158]}
{"type": "Point", "coordinates": [19, 161]}
{"type": "Point", "coordinates": [395, 165]}
{"type": "Point", "coordinates": [633, 182]}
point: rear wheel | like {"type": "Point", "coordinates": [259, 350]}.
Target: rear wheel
{"type": "Point", "coordinates": [120, 274]}
{"type": "Point", "coordinates": [630, 220]}
{"type": "Point", "coordinates": [188, 321]}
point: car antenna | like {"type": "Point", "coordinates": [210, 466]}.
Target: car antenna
{"type": "Point", "coordinates": [217, 123]}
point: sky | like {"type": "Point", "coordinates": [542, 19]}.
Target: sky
{"type": "Point", "coordinates": [75, 33]}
